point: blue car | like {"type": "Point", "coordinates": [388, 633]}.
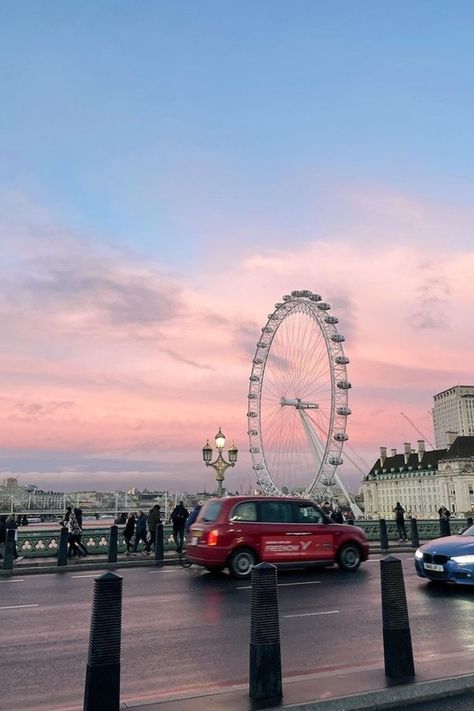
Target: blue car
{"type": "Point", "coordinates": [448, 559]}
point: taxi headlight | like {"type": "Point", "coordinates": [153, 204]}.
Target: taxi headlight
{"type": "Point", "coordinates": [419, 554]}
{"type": "Point", "coordinates": [466, 559]}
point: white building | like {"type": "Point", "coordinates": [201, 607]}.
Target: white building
{"type": "Point", "coordinates": [453, 412]}
{"type": "Point", "coordinates": [422, 480]}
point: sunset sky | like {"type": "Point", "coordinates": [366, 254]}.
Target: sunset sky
{"type": "Point", "coordinates": [168, 170]}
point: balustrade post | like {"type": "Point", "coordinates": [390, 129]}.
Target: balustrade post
{"type": "Point", "coordinates": [383, 534]}
{"type": "Point", "coordinates": [112, 557]}
{"type": "Point", "coordinates": [62, 550]}
{"type": "Point", "coordinates": [102, 690]}
{"type": "Point", "coordinates": [415, 539]}
{"type": "Point", "coordinates": [159, 544]}
{"type": "Point", "coordinates": [469, 521]}
{"type": "Point", "coordinates": [9, 548]}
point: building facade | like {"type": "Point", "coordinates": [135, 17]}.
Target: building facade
{"type": "Point", "coordinates": [453, 414]}
{"type": "Point", "coordinates": [421, 480]}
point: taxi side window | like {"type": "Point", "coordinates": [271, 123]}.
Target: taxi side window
{"type": "Point", "coordinates": [276, 512]}
{"type": "Point", "coordinates": [246, 511]}
{"type": "Point", "coordinates": [308, 514]}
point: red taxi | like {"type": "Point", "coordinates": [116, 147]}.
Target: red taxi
{"type": "Point", "coordinates": [239, 531]}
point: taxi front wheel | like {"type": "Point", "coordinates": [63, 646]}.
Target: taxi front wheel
{"type": "Point", "coordinates": [348, 557]}
{"type": "Point", "coordinates": [241, 562]}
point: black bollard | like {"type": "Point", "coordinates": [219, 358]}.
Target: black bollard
{"type": "Point", "coordinates": [62, 550]}
{"type": "Point", "coordinates": [159, 544]}
{"type": "Point", "coordinates": [351, 521]}
{"type": "Point", "coordinates": [415, 540]}
{"type": "Point", "coordinates": [469, 521]}
{"type": "Point", "coordinates": [397, 647]}
{"type": "Point", "coordinates": [9, 548]}
{"type": "Point", "coordinates": [102, 692]}
{"type": "Point", "coordinates": [265, 656]}
{"type": "Point", "coordinates": [112, 557]}
{"type": "Point", "coordinates": [383, 534]}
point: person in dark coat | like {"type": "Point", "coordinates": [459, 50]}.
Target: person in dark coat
{"type": "Point", "coordinates": [178, 518]}
{"type": "Point", "coordinates": [337, 516]}
{"type": "Point", "coordinates": [79, 543]}
{"type": "Point", "coordinates": [140, 533]}
{"type": "Point", "coordinates": [129, 531]}
{"type": "Point", "coordinates": [400, 521]}
{"type": "Point", "coordinates": [154, 518]}
{"type": "Point", "coordinates": [12, 525]}
{"type": "Point", "coordinates": [192, 516]}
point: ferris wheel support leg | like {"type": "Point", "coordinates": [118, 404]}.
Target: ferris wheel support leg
{"type": "Point", "coordinates": [354, 508]}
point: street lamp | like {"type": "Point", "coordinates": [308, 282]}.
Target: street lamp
{"type": "Point", "coordinates": [219, 464]}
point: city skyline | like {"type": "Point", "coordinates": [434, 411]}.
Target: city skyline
{"type": "Point", "coordinates": [167, 176]}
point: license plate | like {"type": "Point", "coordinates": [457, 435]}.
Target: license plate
{"type": "Point", "coordinates": [194, 541]}
{"type": "Point", "coordinates": [433, 566]}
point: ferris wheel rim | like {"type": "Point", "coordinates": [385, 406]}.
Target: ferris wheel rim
{"type": "Point", "coordinates": [312, 305]}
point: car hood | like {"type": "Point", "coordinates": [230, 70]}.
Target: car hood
{"type": "Point", "coordinates": [450, 545]}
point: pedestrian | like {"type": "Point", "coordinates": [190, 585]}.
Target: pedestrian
{"type": "Point", "coordinates": [154, 518]}
{"type": "Point", "coordinates": [193, 516]}
{"type": "Point", "coordinates": [400, 521]}
{"type": "Point", "coordinates": [129, 531]}
{"type": "Point", "coordinates": [12, 525]}
{"type": "Point", "coordinates": [3, 533]}
{"type": "Point", "coordinates": [444, 513]}
{"type": "Point", "coordinates": [337, 516]}
{"type": "Point", "coordinates": [80, 544]}
{"type": "Point", "coordinates": [326, 508]}
{"type": "Point", "coordinates": [140, 533]}
{"type": "Point", "coordinates": [74, 536]}
{"type": "Point", "coordinates": [178, 518]}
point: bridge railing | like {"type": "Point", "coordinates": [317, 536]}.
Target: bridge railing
{"type": "Point", "coordinates": [45, 542]}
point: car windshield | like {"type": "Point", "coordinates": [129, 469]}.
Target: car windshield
{"type": "Point", "coordinates": [468, 532]}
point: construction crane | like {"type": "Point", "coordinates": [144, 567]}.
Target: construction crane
{"type": "Point", "coordinates": [419, 431]}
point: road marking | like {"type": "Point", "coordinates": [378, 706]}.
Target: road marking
{"type": "Point", "coordinates": [85, 576]}
{"type": "Point", "coordinates": [163, 570]}
{"type": "Point", "coordinates": [15, 580]}
{"type": "Point", "coordinates": [17, 607]}
{"type": "Point", "coordinates": [311, 614]}
{"type": "Point", "coordinates": [283, 585]}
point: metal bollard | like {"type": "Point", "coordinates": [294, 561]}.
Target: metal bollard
{"type": "Point", "coordinates": [415, 539]}
{"type": "Point", "coordinates": [397, 646]}
{"type": "Point", "coordinates": [265, 657]}
{"type": "Point", "coordinates": [112, 557]}
{"type": "Point", "coordinates": [62, 550]}
{"type": "Point", "coordinates": [159, 544]}
{"type": "Point", "coordinates": [102, 691]}
{"type": "Point", "coordinates": [351, 521]}
{"type": "Point", "coordinates": [469, 521]}
{"type": "Point", "coordinates": [383, 534]}
{"type": "Point", "coordinates": [9, 548]}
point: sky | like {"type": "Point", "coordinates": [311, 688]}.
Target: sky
{"type": "Point", "coordinates": [168, 170]}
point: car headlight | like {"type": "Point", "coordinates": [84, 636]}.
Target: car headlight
{"type": "Point", "coordinates": [419, 554]}
{"type": "Point", "coordinates": [466, 559]}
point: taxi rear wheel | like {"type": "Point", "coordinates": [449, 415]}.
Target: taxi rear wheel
{"type": "Point", "coordinates": [348, 557]}
{"type": "Point", "coordinates": [241, 562]}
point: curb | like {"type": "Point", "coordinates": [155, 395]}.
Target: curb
{"type": "Point", "coordinates": [96, 565]}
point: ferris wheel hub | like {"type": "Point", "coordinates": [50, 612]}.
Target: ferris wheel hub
{"type": "Point", "coordinates": [299, 404]}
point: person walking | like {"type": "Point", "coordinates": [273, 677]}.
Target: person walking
{"type": "Point", "coordinates": [140, 533]}
{"type": "Point", "coordinates": [80, 544]}
{"type": "Point", "coordinates": [400, 521]}
{"type": "Point", "coordinates": [178, 518]}
{"type": "Point", "coordinates": [74, 535]}
{"type": "Point", "coordinates": [12, 525]}
{"type": "Point", "coordinates": [129, 531]}
{"type": "Point", "coordinates": [444, 515]}
{"type": "Point", "coordinates": [337, 516]}
{"type": "Point", "coordinates": [154, 518]}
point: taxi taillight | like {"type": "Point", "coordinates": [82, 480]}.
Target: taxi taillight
{"type": "Point", "coordinates": [212, 537]}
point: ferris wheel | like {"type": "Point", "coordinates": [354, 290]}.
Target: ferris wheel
{"type": "Point", "coordinates": [298, 399]}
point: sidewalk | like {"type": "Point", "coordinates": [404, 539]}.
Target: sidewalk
{"type": "Point", "coordinates": [355, 689]}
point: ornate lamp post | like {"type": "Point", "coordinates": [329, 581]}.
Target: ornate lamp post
{"type": "Point", "coordinates": [219, 464]}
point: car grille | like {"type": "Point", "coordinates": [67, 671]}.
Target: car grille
{"type": "Point", "coordinates": [434, 575]}
{"type": "Point", "coordinates": [437, 559]}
